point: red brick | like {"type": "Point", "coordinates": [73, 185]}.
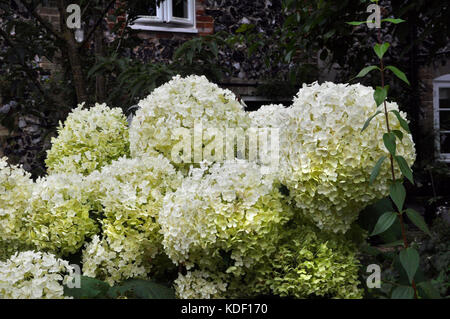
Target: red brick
{"type": "Point", "coordinates": [205, 19]}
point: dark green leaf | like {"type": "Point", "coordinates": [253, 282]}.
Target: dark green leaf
{"type": "Point", "coordinates": [394, 243]}
{"type": "Point", "coordinates": [397, 193]}
{"type": "Point", "coordinates": [427, 290]}
{"type": "Point", "coordinates": [398, 73]}
{"type": "Point", "coordinates": [380, 49]}
{"type": "Point", "coordinates": [376, 169]}
{"type": "Point", "coordinates": [366, 70]}
{"type": "Point", "coordinates": [404, 167]}
{"type": "Point", "coordinates": [398, 133]}
{"type": "Point", "coordinates": [409, 257]}
{"type": "Point", "coordinates": [142, 289]}
{"type": "Point", "coordinates": [403, 292]}
{"type": "Point", "coordinates": [366, 124]}
{"type": "Point", "coordinates": [390, 142]}
{"type": "Point", "coordinates": [401, 120]}
{"type": "Point", "coordinates": [89, 288]}
{"type": "Point", "coordinates": [418, 220]}
{"type": "Point", "coordinates": [384, 222]}
{"type": "Point", "coordinates": [380, 94]}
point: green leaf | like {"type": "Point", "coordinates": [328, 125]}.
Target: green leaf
{"type": "Point", "coordinates": [389, 142]}
{"type": "Point", "coordinates": [288, 56]}
{"type": "Point", "coordinates": [401, 120]}
{"type": "Point", "coordinates": [398, 133]}
{"type": "Point", "coordinates": [366, 124]}
{"type": "Point", "coordinates": [245, 27]}
{"type": "Point", "coordinates": [409, 257]}
{"type": "Point", "coordinates": [356, 22]}
{"type": "Point", "coordinates": [404, 167]}
{"type": "Point", "coordinates": [380, 49]}
{"type": "Point", "coordinates": [395, 21]}
{"type": "Point", "coordinates": [397, 193]}
{"type": "Point", "coordinates": [384, 222]}
{"type": "Point", "coordinates": [142, 289]}
{"type": "Point", "coordinates": [90, 288]}
{"type": "Point", "coordinates": [418, 220]}
{"type": "Point", "coordinates": [380, 94]}
{"type": "Point", "coordinates": [366, 70]}
{"type": "Point", "coordinates": [398, 73]}
{"type": "Point", "coordinates": [376, 169]}
{"type": "Point", "coordinates": [403, 292]}
{"type": "Point", "coordinates": [427, 290]}
{"type": "Point", "coordinates": [394, 243]}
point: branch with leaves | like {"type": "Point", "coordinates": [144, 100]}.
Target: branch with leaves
{"type": "Point", "coordinates": [408, 256]}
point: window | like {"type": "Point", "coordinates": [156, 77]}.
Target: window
{"type": "Point", "coordinates": [169, 15]}
{"type": "Point", "coordinates": [442, 117]}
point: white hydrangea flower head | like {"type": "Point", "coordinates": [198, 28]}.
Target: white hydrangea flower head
{"type": "Point", "coordinates": [103, 260]}
{"type": "Point", "coordinates": [326, 160]}
{"type": "Point", "coordinates": [88, 140]}
{"type": "Point", "coordinates": [58, 217]}
{"type": "Point", "coordinates": [230, 208]}
{"type": "Point", "coordinates": [181, 103]}
{"type": "Point", "coordinates": [130, 192]}
{"type": "Point", "coordinates": [272, 115]}
{"type": "Point", "coordinates": [34, 275]}
{"type": "Point", "coordinates": [16, 186]}
{"type": "Point", "coordinates": [200, 285]}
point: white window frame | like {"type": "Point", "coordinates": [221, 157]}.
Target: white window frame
{"type": "Point", "coordinates": [165, 21]}
{"type": "Point", "coordinates": [438, 83]}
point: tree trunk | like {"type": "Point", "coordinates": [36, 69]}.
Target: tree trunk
{"type": "Point", "coordinates": [72, 52]}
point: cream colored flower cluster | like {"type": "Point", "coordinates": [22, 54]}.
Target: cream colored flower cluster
{"type": "Point", "coordinates": [58, 217]}
{"type": "Point", "coordinates": [325, 159]}
{"type": "Point", "coordinates": [182, 103]}
{"type": "Point", "coordinates": [200, 285]}
{"type": "Point", "coordinates": [229, 208]}
{"type": "Point", "coordinates": [88, 140]}
{"type": "Point", "coordinates": [15, 190]}
{"type": "Point", "coordinates": [130, 192]}
{"type": "Point", "coordinates": [34, 275]}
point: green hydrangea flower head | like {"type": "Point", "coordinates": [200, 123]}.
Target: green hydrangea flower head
{"type": "Point", "coordinates": [88, 140]}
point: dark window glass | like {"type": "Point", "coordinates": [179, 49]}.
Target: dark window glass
{"type": "Point", "coordinates": [444, 120]}
{"type": "Point", "coordinates": [180, 9]}
{"type": "Point", "coordinates": [152, 9]}
{"type": "Point", "coordinates": [444, 98]}
{"type": "Point", "coordinates": [445, 143]}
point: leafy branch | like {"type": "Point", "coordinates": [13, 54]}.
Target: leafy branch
{"type": "Point", "coordinates": [408, 256]}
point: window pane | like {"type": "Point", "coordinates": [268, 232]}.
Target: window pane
{"type": "Point", "coordinates": [444, 120]}
{"type": "Point", "coordinates": [445, 143]}
{"type": "Point", "coordinates": [151, 11]}
{"type": "Point", "coordinates": [180, 9]}
{"type": "Point", "coordinates": [444, 98]}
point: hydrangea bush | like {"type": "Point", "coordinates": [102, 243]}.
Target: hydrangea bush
{"type": "Point", "coordinates": [227, 229]}
{"type": "Point", "coordinates": [88, 140]}
{"type": "Point", "coordinates": [34, 275]}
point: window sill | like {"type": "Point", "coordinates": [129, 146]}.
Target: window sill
{"type": "Point", "coordinates": [163, 28]}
